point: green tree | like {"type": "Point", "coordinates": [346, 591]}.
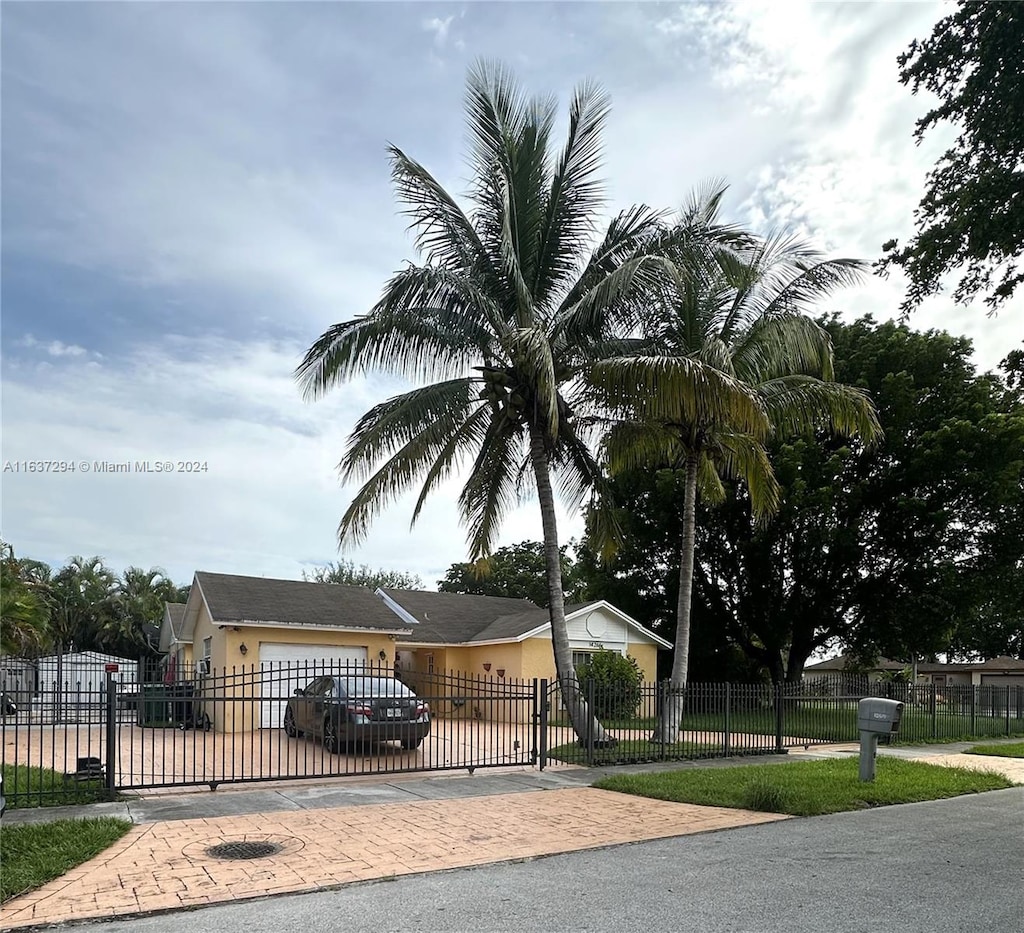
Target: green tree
{"type": "Point", "coordinates": [971, 214]}
{"type": "Point", "coordinates": [912, 548]}
{"type": "Point", "coordinates": [615, 682]}
{"type": "Point", "coordinates": [348, 574]}
{"type": "Point", "coordinates": [518, 571]}
{"type": "Point", "coordinates": [726, 356]}
{"type": "Point", "coordinates": [24, 611]}
{"type": "Point", "coordinates": [137, 608]}
{"type": "Point", "coordinates": [82, 599]}
{"type": "Point", "coordinates": [509, 306]}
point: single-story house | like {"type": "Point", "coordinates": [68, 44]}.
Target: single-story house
{"type": "Point", "coordinates": [281, 628]}
{"type": "Point", "coordinates": [996, 672]}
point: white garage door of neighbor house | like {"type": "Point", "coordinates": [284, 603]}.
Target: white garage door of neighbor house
{"type": "Point", "coordinates": [284, 667]}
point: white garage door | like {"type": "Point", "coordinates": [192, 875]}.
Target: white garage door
{"type": "Point", "coordinates": [284, 667]}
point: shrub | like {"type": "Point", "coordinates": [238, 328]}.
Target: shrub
{"type": "Point", "coordinates": [616, 684]}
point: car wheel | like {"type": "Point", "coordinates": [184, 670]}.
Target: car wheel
{"type": "Point", "coordinates": [410, 744]}
{"type": "Point", "coordinates": [289, 723]}
{"type": "Point", "coordinates": [331, 735]}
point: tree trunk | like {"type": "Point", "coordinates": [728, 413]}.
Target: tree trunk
{"type": "Point", "coordinates": [586, 726]}
{"type": "Point", "coordinates": [671, 715]}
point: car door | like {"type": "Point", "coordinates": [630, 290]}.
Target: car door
{"type": "Point", "coordinates": [320, 704]}
{"type": "Point", "coordinates": [307, 721]}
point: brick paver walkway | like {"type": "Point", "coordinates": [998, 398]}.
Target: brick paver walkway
{"type": "Point", "coordinates": [164, 866]}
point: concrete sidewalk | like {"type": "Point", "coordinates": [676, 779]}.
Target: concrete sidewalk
{"type": "Point", "coordinates": [328, 835]}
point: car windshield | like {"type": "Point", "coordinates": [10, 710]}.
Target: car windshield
{"type": "Point", "coordinates": [374, 687]}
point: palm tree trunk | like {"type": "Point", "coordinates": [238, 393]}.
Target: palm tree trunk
{"type": "Point", "coordinates": [673, 701]}
{"type": "Point", "coordinates": [586, 726]}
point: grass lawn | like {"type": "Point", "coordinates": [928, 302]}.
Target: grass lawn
{"type": "Point", "coordinates": [632, 751]}
{"type": "Point", "coordinates": [34, 853]}
{"type": "Point", "coordinates": [807, 788]}
{"type": "Point", "coordinates": [46, 788]}
{"type": "Point", "coordinates": [835, 721]}
{"type": "Point", "coordinates": [1011, 750]}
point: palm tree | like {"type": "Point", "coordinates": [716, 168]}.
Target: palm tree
{"type": "Point", "coordinates": [508, 307]}
{"type": "Point", "coordinates": [24, 613]}
{"type": "Point", "coordinates": [725, 357]}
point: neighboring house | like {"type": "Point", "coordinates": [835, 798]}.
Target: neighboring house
{"type": "Point", "coordinates": [996, 672]}
{"type": "Point", "coordinates": [172, 644]}
{"type": "Point", "coordinates": [281, 628]}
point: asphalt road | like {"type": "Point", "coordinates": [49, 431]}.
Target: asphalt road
{"type": "Point", "coordinates": [936, 867]}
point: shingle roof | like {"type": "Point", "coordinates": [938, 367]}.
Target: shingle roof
{"type": "Point", "coordinates": [923, 667]}
{"type": "Point", "coordinates": [239, 599]}
{"type": "Point", "coordinates": [176, 614]}
{"type": "Point", "coordinates": [457, 618]}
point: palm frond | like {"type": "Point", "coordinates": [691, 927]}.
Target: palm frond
{"type": "Point", "coordinates": [468, 436]}
{"type": "Point", "coordinates": [576, 194]}
{"type": "Point", "coordinates": [633, 445]}
{"type": "Point", "coordinates": [802, 404]}
{"type": "Point", "coordinates": [399, 421]}
{"type": "Point", "coordinates": [680, 391]}
{"type": "Point", "coordinates": [780, 344]}
{"type": "Point", "coordinates": [444, 234]}
{"type": "Point", "coordinates": [745, 458]}
{"type": "Point", "coordinates": [493, 485]}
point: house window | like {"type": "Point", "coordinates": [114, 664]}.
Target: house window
{"type": "Point", "coordinates": [430, 664]}
{"type": "Point", "coordinates": [580, 657]}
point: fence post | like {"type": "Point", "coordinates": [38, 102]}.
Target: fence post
{"type": "Point", "coordinates": [543, 722]}
{"type": "Point", "coordinates": [728, 708]}
{"type": "Point", "coordinates": [590, 720]}
{"type": "Point", "coordinates": [1007, 710]}
{"type": "Point", "coordinates": [779, 747]}
{"type": "Point", "coordinates": [935, 724]}
{"type": "Point", "coordinates": [974, 710]}
{"type": "Point", "coordinates": [111, 749]}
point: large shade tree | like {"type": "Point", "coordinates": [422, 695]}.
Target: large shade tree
{"type": "Point", "coordinates": [970, 217]}
{"type": "Point", "coordinates": [511, 302]}
{"type": "Point", "coordinates": [726, 356]}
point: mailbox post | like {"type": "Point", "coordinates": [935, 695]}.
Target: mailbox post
{"type": "Point", "coordinates": [875, 717]}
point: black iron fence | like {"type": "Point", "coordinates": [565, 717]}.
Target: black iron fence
{"type": "Point", "coordinates": [723, 720]}
{"type": "Point", "coordinates": [298, 721]}
{"type": "Point", "coordinates": [269, 723]}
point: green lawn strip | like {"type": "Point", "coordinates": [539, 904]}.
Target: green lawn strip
{"type": "Point", "coordinates": [807, 788]}
{"type": "Point", "coordinates": [1010, 750]}
{"type": "Point", "coordinates": [832, 724]}
{"type": "Point", "coordinates": [631, 751]}
{"type": "Point", "coordinates": [33, 853]}
{"type": "Point", "coordinates": [27, 786]}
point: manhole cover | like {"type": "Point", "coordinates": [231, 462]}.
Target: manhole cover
{"type": "Point", "coordinates": [242, 850]}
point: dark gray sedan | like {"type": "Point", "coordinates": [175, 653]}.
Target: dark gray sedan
{"type": "Point", "coordinates": [344, 710]}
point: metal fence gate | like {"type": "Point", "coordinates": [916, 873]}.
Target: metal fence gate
{"type": "Point", "coordinates": [83, 741]}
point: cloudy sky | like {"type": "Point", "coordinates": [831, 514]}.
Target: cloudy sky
{"type": "Point", "coordinates": [192, 193]}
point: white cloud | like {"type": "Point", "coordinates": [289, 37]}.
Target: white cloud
{"type": "Point", "coordinates": [53, 347]}
{"type": "Point", "coordinates": [439, 27]}
{"type": "Point", "coordinates": [265, 498]}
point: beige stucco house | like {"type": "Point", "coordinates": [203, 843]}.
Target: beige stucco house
{"type": "Point", "coordinates": [278, 629]}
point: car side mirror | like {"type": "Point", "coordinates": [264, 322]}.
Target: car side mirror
{"type": "Point", "coordinates": [299, 692]}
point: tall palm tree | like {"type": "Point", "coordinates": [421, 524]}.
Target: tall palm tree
{"type": "Point", "coordinates": [725, 356]}
{"type": "Point", "coordinates": [510, 304]}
